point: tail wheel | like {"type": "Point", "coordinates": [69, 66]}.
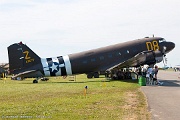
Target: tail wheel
{"type": "Point", "coordinates": [35, 81]}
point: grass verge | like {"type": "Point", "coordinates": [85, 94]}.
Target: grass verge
{"type": "Point", "coordinates": [60, 98]}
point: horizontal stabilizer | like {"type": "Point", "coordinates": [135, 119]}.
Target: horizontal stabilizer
{"type": "Point", "coordinates": [31, 73]}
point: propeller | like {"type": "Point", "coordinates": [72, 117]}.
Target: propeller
{"type": "Point", "coordinates": [164, 56]}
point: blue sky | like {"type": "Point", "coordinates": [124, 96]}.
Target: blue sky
{"type": "Point", "coordinates": [59, 27]}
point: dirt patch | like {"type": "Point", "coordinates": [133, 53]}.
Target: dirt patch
{"type": "Point", "coordinates": [135, 106]}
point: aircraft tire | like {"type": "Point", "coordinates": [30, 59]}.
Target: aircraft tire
{"type": "Point", "coordinates": [96, 75]}
{"type": "Point", "coordinates": [35, 81]}
{"type": "Point", "coordinates": [89, 75]}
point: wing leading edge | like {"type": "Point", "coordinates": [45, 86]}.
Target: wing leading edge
{"type": "Point", "coordinates": [146, 57]}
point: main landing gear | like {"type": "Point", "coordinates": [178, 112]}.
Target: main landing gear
{"type": "Point", "coordinates": [93, 74]}
{"type": "Point", "coordinates": [36, 80]}
{"type": "Point", "coordinates": [42, 79]}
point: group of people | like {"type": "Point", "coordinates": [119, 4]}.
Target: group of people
{"type": "Point", "coordinates": [120, 74]}
{"type": "Point", "coordinates": [149, 72]}
{"type": "Point", "coordinates": [151, 75]}
{"type": "Point", "coordinates": [176, 69]}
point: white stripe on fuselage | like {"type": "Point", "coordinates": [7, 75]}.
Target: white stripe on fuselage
{"type": "Point", "coordinates": [67, 65]}
{"type": "Point", "coordinates": [45, 66]}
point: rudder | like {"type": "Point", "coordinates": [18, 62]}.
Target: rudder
{"type": "Point", "coordinates": [21, 57]}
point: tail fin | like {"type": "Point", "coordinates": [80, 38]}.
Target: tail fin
{"type": "Point", "coordinates": [21, 57]}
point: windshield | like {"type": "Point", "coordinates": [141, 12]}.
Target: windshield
{"type": "Point", "coordinates": [162, 40]}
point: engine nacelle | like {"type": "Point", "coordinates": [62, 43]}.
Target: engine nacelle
{"type": "Point", "coordinates": [153, 57]}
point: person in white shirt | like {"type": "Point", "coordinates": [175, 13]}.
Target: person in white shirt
{"type": "Point", "coordinates": [149, 75]}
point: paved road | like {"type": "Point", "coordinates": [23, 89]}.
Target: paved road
{"type": "Point", "coordinates": [164, 101]}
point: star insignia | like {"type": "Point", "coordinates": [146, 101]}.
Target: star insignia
{"type": "Point", "coordinates": [54, 67]}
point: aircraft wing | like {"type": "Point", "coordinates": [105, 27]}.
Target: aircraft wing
{"type": "Point", "coordinates": [146, 57]}
{"type": "Point", "coordinates": [30, 73]}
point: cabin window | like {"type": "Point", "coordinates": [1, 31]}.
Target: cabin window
{"type": "Point", "coordinates": [118, 53]}
{"type": "Point", "coordinates": [127, 51]}
{"type": "Point", "coordinates": [110, 55]}
{"type": "Point", "coordinates": [101, 57]}
{"type": "Point", "coordinates": [134, 50]}
{"type": "Point", "coordinates": [85, 61]}
{"type": "Point", "coordinates": [93, 60]}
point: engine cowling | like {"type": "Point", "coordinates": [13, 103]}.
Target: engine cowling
{"type": "Point", "coordinates": [153, 57]}
{"type": "Point", "coordinates": [146, 57]}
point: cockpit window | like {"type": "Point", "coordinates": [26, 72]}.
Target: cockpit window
{"type": "Point", "coordinates": [162, 40]}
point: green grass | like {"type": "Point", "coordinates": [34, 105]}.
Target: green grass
{"type": "Point", "coordinates": [60, 98]}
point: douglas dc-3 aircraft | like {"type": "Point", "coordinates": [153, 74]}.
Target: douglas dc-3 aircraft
{"type": "Point", "coordinates": [23, 62]}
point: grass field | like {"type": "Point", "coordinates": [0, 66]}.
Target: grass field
{"type": "Point", "coordinates": [60, 98]}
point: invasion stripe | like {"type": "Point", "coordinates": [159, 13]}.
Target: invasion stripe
{"type": "Point", "coordinates": [45, 67]}
{"type": "Point", "coordinates": [62, 66]}
{"type": "Point", "coordinates": [67, 65]}
{"type": "Point", "coordinates": [50, 63]}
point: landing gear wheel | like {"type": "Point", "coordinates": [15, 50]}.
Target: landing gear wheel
{"type": "Point", "coordinates": [96, 75]}
{"type": "Point", "coordinates": [35, 81]}
{"type": "Point", "coordinates": [90, 75]}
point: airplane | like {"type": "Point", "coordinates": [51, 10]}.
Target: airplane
{"type": "Point", "coordinates": [165, 67]}
{"type": "Point", "coordinates": [24, 63]}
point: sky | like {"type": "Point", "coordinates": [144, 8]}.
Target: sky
{"type": "Point", "coordinates": [59, 27]}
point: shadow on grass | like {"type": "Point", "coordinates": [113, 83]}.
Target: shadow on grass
{"type": "Point", "coordinates": [68, 82]}
{"type": "Point", "coordinates": [127, 80]}
{"type": "Point", "coordinates": [81, 82]}
{"type": "Point", "coordinates": [47, 82]}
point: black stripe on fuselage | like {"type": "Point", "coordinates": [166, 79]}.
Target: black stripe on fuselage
{"type": "Point", "coordinates": [50, 63]}
{"type": "Point", "coordinates": [63, 69]}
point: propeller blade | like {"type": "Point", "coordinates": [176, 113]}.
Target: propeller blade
{"type": "Point", "coordinates": [164, 60]}
{"type": "Point", "coordinates": [164, 50]}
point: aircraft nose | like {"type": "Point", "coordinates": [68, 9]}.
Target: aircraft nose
{"type": "Point", "coordinates": [170, 46]}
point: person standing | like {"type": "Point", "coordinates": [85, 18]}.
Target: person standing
{"type": "Point", "coordinates": [155, 71]}
{"type": "Point", "coordinates": [143, 70]}
{"type": "Point", "coordinates": [149, 75]}
{"type": "Point", "coordinates": [155, 75]}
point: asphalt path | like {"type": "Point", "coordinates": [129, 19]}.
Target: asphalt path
{"type": "Point", "coordinates": [164, 101]}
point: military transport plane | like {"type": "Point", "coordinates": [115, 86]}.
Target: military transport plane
{"type": "Point", "coordinates": [23, 62]}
